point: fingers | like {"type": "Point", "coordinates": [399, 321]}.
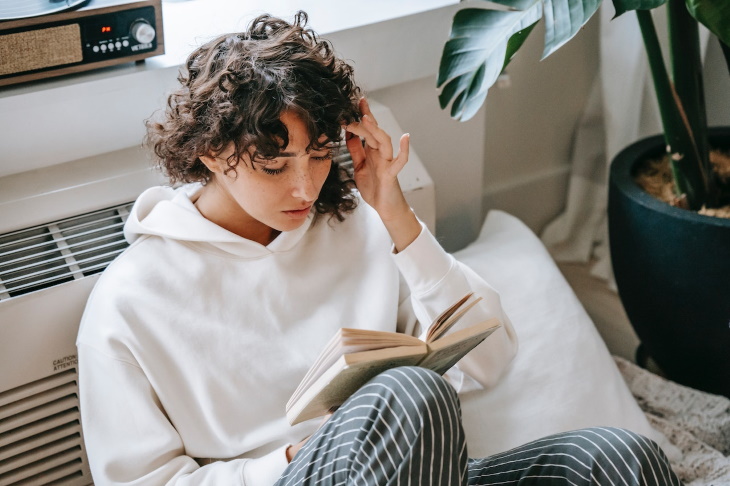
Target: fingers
{"type": "Point", "coordinates": [357, 151]}
{"type": "Point", "coordinates": [369, 131]}
{"type": "Point", "coordinates": [365, 109]}
{"type": "Point", "coordinates": [404, 147]}
{"type": "Point", "coordinates": [375, 139]}
{"type": "Point", "coordinates": [381, 138]}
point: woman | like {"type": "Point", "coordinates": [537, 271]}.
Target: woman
{"type": "Point", "coordinates": [196, 336]}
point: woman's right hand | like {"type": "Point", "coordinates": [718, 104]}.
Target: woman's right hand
{"type": "Point", "coordinates": [292, 450]}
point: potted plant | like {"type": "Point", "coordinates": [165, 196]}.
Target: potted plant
{"type": "Point", "coordinates": [672, 264]}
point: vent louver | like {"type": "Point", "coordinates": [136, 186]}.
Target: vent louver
{"type": "Point", "coordinates": [40, 433]}
{"type": "Point", "coordinates": [51, 254]}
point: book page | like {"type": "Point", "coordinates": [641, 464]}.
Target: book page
{"type": "Point", "coordinates": [445, 315]}
{"type": "Point", "coordinates": [441, 329]}
{"type": "Point", "coordinates": [345, 377]}
{"type": "Point", "coordinates": [350, 341]}
{"type": "Point", "coordinates": [447, 351]}
{"type": "Point", "coordinates": [370, 339]}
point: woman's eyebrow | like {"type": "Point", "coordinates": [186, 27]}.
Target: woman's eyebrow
{"type": "Point", "coordinates": [294, 154]}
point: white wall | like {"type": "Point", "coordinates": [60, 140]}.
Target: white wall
{"type": "Point", "coordinates": [717, 85]}
{"type": "Point", "coordinates": [531, 124]}
{"type": "Point", "coordinates": [514, 154]}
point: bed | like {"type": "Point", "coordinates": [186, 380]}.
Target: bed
{"type": "Point", "coordinates": [565, 378]}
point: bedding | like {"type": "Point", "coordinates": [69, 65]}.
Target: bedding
{"type": "Point", "coordinates": [563, 376]}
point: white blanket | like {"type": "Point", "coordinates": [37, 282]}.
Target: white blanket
{"type": "Point", "coordinates": [564, 377]}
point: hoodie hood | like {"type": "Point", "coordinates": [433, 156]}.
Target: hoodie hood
{"type": "Point", "coordinates": [170, 213]}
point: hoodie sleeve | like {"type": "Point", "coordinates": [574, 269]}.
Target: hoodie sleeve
{"type": "Point", "coordinates": [436, 280]}
{"type": "Point", "coordinates": [129, 439]}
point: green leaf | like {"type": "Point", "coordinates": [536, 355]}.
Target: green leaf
{"type": "Point", "coordinates": [473, 105]}
{"type": "Point", "coordinates": [475, 95]}
{"type": "Point", "coordinates": [713, 14]}
{"type": "Point", "coordinates": [515, 42]}
{"type": "Point", "coordinates": [476, 52]}
{"type": "Point", "coordinates": [458, 107]}
{"type": "Point", "coordinates": [563, 19]}
{"type": "Point", "coordinates": [623, 6]}
{"type": "Point", "coordinates": [460, 83]}
{"type": "Point", "coordinates": [452, 88]}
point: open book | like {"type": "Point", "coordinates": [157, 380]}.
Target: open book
{"type": "Point", "coordinates": [354, 356]}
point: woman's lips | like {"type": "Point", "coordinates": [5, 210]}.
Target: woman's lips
{"type": "Point", "coordinates": [298, 213]}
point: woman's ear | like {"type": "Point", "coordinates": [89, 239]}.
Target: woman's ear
{"type": "Point", "coordinates": [212, 163]}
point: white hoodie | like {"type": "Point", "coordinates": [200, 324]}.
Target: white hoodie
{"type": "Point", "coordinates": [194, 338]}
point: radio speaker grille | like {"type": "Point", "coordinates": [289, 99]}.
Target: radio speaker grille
{"type": "Point", "coordinates": [38, 49]}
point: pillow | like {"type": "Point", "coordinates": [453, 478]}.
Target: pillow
{"type": "Point", "coordinates": [563, 376]}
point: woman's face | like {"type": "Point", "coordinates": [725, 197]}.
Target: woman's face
{"type": "Point", "coordinates": [259, 199]}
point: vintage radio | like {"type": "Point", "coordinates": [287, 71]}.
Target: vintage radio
{"type": "Point", "coordinates": [45, 38]}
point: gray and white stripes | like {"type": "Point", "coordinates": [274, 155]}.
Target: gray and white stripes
{"type": "Point", "coordinates": [605, 456]}
{"type": "Point", "coordinates": [404, 427]}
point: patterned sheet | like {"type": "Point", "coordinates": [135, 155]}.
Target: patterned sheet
{"type": "Point", "coordinates": [697, 423]}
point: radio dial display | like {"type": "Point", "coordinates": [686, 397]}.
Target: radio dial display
{"type": "Point", "coordinates": [106, 29]}
{"type": "Point", "coordinates": [109, 36]}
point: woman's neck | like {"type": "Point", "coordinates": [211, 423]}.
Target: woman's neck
{"type": "Point", "coordinates": [218, 206]}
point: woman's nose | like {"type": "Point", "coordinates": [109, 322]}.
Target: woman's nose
{"type": "Point", "coordinates": [303, 186]}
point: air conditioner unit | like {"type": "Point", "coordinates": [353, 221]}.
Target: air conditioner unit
{"type": "Point", "coordinates": [59, 228]}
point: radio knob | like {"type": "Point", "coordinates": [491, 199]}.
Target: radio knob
{"type": "Point", "coordinates": [142, 31]}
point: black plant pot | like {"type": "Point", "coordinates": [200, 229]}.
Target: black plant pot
{"type": "Point", "coordinates": [672, 269]}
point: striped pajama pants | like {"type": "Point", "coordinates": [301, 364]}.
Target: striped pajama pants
{"type": "Point", "coordinates": [404, 427]}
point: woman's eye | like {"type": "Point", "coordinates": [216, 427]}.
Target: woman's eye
{"type": "Point", "coordinates": [270, 171]}
{"type": "Point", "coordinates": [326, 156]}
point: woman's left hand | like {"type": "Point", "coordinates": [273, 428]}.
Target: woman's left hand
{"type": "Point", "coordinates": [376, 175]}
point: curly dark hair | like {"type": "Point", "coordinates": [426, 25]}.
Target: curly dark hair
{"type": "Point", "coordinates": [234, 89]}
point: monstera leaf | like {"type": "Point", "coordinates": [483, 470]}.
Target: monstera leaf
{"type": "Point", "coordinates": [477, 51]}
{"type": "Point", "coordinates": [483, 41]}
{"type": "Point", "coordinates": [563, 19]}
{"type": "Point", "coordinates": [713, 14]}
